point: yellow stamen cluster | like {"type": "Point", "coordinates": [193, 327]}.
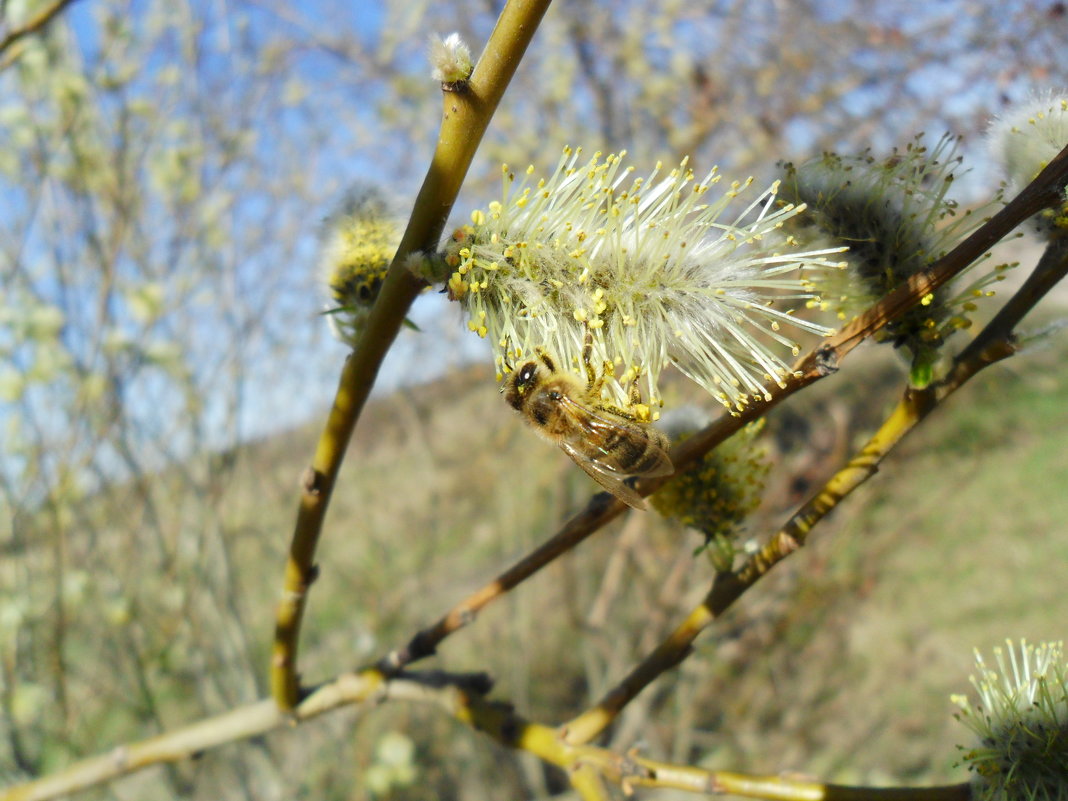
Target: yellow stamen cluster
{"type": "Point", "coordinates": [359, 243]}
{"type": "Point", "coordinates": [717, 494]}
{"type": "Point", "coordinates": [641, 271]}
{"type": "Point", "coordinates": [897, 218]}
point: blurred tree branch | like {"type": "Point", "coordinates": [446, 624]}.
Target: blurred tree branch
{"type": "Point", "coordinates": [33, 25]}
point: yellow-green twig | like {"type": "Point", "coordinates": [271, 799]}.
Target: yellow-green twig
{"type": "Point", "coordinates": [466, 114]}
{"type": "Point", "coordinates": [590, 766]}
{"type": "Point", "coordinates": [650, 773]}
{"type": "Point", "coordinates": [589, 784]}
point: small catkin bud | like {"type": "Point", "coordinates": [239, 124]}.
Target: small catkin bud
{"type": "Point", "coordinates": [450, 60]}
{"type": "Point", "coordinates": [716, 495]}
{"type": "Point", "coordinates": [357, 246]}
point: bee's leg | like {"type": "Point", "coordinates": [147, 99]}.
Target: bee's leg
{"type": "Point", "coordinates": [626, 414]}
{"type": "Point", "coordinates": [635, 390]}
{"type": "Point", "coordinates": [607, 370]}
{"type": "Point", "coordinates": [546, 359]}
{"type": "Point", "coordinates": [587, 357]}
{"type": "Point", "coordinates": [506, 361]}
{"type": "Point", "coordinates": [637, 408]}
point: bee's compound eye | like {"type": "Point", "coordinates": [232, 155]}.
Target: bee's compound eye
{"type": "Point", "coordinates": [526, 374]}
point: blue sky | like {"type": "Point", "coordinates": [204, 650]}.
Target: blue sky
{"type": "Point", "coordinates": [284, 393]}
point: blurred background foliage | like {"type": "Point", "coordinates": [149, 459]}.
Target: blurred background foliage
{"type": "Point", "coordinates": [163, 170]}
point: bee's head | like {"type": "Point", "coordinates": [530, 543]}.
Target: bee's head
{"type": "Point", "coordinates": [520, 383]}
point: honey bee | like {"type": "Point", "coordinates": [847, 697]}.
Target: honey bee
{"type": "Point", "coordinates": [610, 444]}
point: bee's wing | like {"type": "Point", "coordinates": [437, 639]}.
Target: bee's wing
{"type": "Point", "coordinates": [602, 463]}
{"type": "Point", "coordinates": [605, 476]}
{"type": "Point", "coordinates": [593, 426]}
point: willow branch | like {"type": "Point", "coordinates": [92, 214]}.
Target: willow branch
{"type": "Point", "coordinates": [463, 697]}
{"type": "Point", "coordinates": [993, 344]}
{"type": "Point", "coordinates": [598, 512]}
{"type": "Point", "coordinates": [1043, 192]}
{"type": "Point", "coordinates": [467, 112]}
{"type": "Point", "coordinates": [1046, 191]}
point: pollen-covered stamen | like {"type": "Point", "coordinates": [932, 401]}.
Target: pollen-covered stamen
{"type": "Point", "coordinates": [1021, 722]}
{"type": "Point", "coordinates": [632, 261]}
{"type": "Point", "coordinates": [897, 218]}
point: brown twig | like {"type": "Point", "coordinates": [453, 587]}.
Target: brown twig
{"type": "Point", "coordinates": [993, 344]}
{"type": "Point", "coordinates": [467, 112]}
{"type": "Point", "coordinates": [601, 510]}
{"type": "Point", "coordinates": [1043, 192]}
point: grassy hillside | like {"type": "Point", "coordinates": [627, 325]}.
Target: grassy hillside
{"type": "Point", "coordinates": [839, 665]}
